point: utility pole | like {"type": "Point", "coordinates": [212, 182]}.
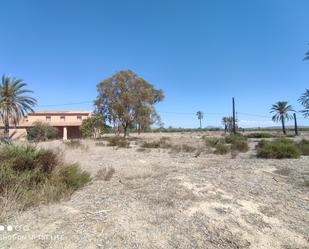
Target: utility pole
{"type": "Point", "coordinates": [234, 117]}
{"type": "Point", "coordinates": [295, 124]}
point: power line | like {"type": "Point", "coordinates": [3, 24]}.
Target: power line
{"type": "Point", "coordinates": [163, 112]}
{"type": "Point", "coordinates": [65, 104]}
{"type": "Point", "coordinates": [253, 115]}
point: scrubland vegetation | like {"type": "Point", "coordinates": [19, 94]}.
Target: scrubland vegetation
{"type": "Point", "coordinates": [41, 132]}
{"type": "Point", "coordinates": [30, 176]}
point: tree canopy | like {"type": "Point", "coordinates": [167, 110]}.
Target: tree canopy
{"type": "Point", "coordinates": [281, 113]}
{"type": "Point", "coordinates": [126, 99]}
{"type": "Point", "coordinates": [14, 104]}
{"type": "Point", "coordinates": [93, 126]}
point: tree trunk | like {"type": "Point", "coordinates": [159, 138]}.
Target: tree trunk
{"type": "Point", "coordinates": [200, 123]}
{"type": "Point", "coordinates": [139, 129]}
{"type": "Point", "coordinates": [6, 128]}
{"type": "Point", "coordinates": [125, 130]}
{"type": "Point", "coordinates": [283, 127]}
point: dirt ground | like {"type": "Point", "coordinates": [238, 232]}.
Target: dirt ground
{"type": "Point", "coordinates": [163, 199]}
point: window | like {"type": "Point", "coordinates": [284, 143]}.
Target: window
{"type": "Point", "coordinates": [79, 117]}
{"type": "Point", "coordinates": [62, 118]}
{"type": "Point", "coordinates": [48, 118]}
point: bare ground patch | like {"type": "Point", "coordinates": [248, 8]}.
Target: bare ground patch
{"type": "Point", "coordinates": [156, 199]}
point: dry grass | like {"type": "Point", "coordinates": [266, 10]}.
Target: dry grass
{"type": "Point", "coordinates": [118, 141]}
{"type": "Point", "coordinates": [75, 144]}
{"type": "Point", "coordinates": [187, 201]}
{"type": "Point", "coordinates": [105, 174]}
{"type": "Point", "coordinates": [100, 144]}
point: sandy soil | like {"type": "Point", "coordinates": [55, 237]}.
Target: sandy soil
{"type": "Point", "coordinates": [159, 199]}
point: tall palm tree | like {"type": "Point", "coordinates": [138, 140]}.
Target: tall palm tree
{"type": "Point", "coordinates": [13, 103]}
{"type": "Point", "coordinates": [281, 110]}
{"type": "Point", "coordinates": [200, 116]}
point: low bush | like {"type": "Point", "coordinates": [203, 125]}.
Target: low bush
{"type": "Point", "coordinates": [303, 146]}
{"type": "Point", "coordinates": [118, 141]}
{"type": "Point", "coordinates": [278, 149]}
{"type": "Point", "coordinates": [230, 139]}
{"type": "Point", "coordinates": [238, 142]}
{"type": "Point", "coordinates": [30, 176]}
{"type": "Point", "coordinates": [72, 176]}
{"type": "Point", "coordinates": [213, 141]}
{"type": "Point", "coordinates": [41, 132]}
{"type": "Point", "coordinates": [182, 148]}
{"type": "Point", "coordinates": [5, 140]}
{"type": "Point", "coordinates": [221, 149]}
{"type": "Point", "coordinates": [161, 143]}
{"type": "Point", "coordinates": [260, 135]}
{"type": "Point", "coordinates": [240, 145]}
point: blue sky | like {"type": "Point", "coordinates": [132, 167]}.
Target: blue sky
{"type": "Point", "coordinates": [201, 53]}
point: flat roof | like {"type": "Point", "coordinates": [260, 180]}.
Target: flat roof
{"type": "Point", "coordinates": [57, 112]}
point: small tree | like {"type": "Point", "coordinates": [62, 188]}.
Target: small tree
{"type": "Point", "coordinates": [92, 126]}
{"type": "Point", "coordinates": [124, 97]}
{"type": "Point", "coordinates": [200, 116]}
{"type": "Point", "coordinates": [281, 110]}
{"type": "Point", "coordinates": [41, 132]}
{"type": "Point", "coordinates": [228, 124]}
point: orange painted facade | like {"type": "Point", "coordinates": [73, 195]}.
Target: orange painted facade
{"type": "Point", "coordinates": [67, 122]}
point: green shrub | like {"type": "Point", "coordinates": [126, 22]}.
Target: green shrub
{"type": "Point", "coordinates": [212, 141]}
{"type": "Point", "coordinates": [41, 132]}
{"type": "Point", "coordinates": [240, 145]}
{"type": "Point", "coordinates": [72, 176]}
{"type": "Point", "coordinates": [260, 135]}
{"type": "Point", "coordinates": [5, 140]}
{"type": "Point", "coordinates": [161, 143]}
{"type": "Point", "coordinates": [303, 146]}
{"type": "Point", "coordinates": [118, 141]}
{"type": "Point", "coordinates": [182, 148]}
{"type": "Point", "coordinates": [30, 176]}
{"type": "Point", "coordinates": [221, 149]}
{"type": "Point", "coordinates": [93, 126]}
{"type": "Point", "coordinates": [27, 157]}
{"type": "Point", "coordinates": [238, 142]}
{"type": "Point", "coordinates": [278, 149]}
{"type": "Point", "coordinates": [230, 139]}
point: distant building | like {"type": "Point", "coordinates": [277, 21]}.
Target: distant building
{"type": "Point", "coordinates": [67, 122]}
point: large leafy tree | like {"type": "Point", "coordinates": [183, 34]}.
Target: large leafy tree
{"type": "Point", "coordinates": [126, 97]}
{"type": "Point", "coordinates": [281, 113]}
{"type": "Point", "coordinates": [200, 116]}
{"type": "Point", "coordinates": [14, 104]}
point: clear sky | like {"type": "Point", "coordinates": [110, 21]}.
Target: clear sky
{"type": "Point", "coordinates": [201, 53]}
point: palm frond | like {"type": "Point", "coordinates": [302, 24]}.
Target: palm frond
{"type": "Point", "coordinates": [13, 103]}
